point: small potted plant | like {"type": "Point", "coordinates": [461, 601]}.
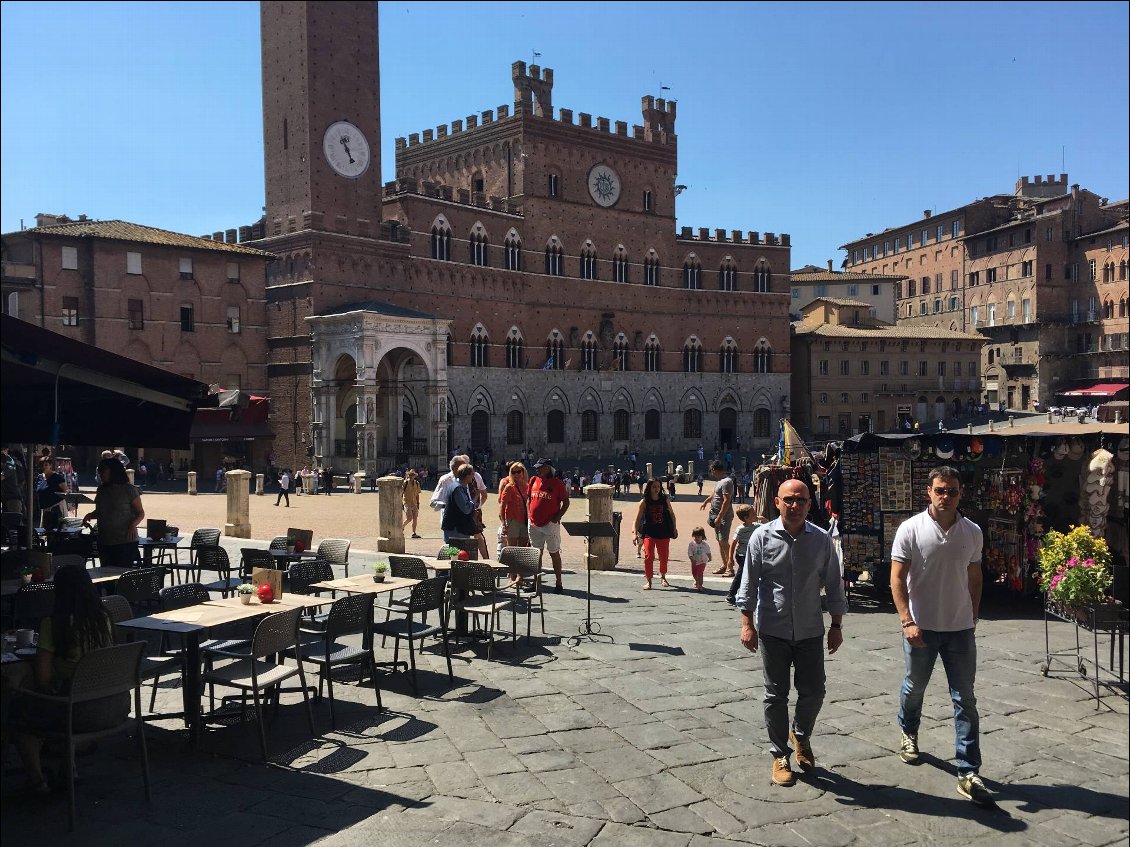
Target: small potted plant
{"type": "Point", "coordinates": [447, 552]}
{"type": "Point", "coordinates": [290, 544]}
{"type": "Point", "coordinates": [380, 571]}
{"type": "Point", "coordinates": [246, 592]}
{"type": "Point", "coordinates": [26, 574]}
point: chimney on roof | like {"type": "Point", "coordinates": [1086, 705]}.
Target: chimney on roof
{"type": "Point", "coordinates": [926, 213]}
{"type": "Point", "coordinates": [829, 266]}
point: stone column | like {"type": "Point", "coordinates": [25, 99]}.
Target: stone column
{"type": "Point", "coordinates": [390, 506]}
{"type": "Point", "coordinates": [670, 468]}
{"type": "Point", "coordinates": [259, 484]}
{"type": "Point", "coordinates": [358, 482]}
{"type": "Point", "coordinates": [192, 482]}
{"type": "Point", "coordinates": [690, 468]}
{"type": "Point", "coordinates": [130, 474]}
{"type": "Point", "coordinates": [647, 470]}
{"type": "Point", "coordinates": [601, 557]}
{"type": "Point", "coordinates": [239, 522]}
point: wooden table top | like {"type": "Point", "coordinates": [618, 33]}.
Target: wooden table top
{"type": "Point", "coordinates": [194, 618]}
{"type": "Point", "coordinates": [98, 576]}
{"type": "Point", "coordinates": [287, 601]}
{"type": "Point", "coordinates": [365, 584]}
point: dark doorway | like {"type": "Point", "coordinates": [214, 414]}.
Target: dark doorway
{"type": "Point", "coordinates": [727, 427]}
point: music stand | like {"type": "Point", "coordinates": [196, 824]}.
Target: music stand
{"type": "Point", "coordinates": [589, 530]}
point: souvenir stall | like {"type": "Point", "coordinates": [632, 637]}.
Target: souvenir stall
{"type": "Point", "coordinates": [1017, 486]}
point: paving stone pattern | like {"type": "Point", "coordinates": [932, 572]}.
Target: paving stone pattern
{"type": "Point", "coordinates": [654, 739]}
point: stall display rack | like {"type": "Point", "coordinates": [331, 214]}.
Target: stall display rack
{"type": "Point", "coordinates": [1110, 618]}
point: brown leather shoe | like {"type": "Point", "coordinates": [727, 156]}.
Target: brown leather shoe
{"type": "Point", "coordinates": [804, 755]}
{"type": "Point", "coordinates": [782, 773]}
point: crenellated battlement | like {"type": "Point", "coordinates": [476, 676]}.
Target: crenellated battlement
{"type": "Point", "coordinates": [1039, 186]}
{"type": "Point", "coordinates": [252, 232]}
{"type": "Point", "coordinates": [441, 191]}
{"type": "Point", "coordinates": [735, 236]}
{"type": "Point", "coordinates": [533, 95]}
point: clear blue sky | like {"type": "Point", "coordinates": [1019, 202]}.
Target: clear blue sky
{"type": "Point", "coordinates": [825, 121]}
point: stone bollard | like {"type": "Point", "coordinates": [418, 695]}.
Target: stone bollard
{"type": "Point", "coordinates": [647, 470]}
{"type": "Point", "coordinates": [690, 468]}
{"type": "Point", "coordinates": [130, 474]}
{"type": "Point", "coordinates": [192, 482]}
{"type": "Point", "coordinates": [259, 484]}
{"type": "Point", "coordinates": [670, 468]}
{"type": "Point", "coordinates": [1049, 415]}
{"type": "Point", "coordinates": [390, 507]}
{"type": "Point", "coordinates": [359, 482]}
{"type": "Point", "coordinates": [239, 489]}
{"type": "Point", "coordinates": [601, 557]}
{"type": "Point", "coordinates": [308, 483]}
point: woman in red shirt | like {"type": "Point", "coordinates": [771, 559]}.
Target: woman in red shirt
{"type": "Point", "coordinates": [512, 516]}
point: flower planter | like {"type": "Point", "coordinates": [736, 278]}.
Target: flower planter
{"type": "Point", "coordinates": [378, 577]}
{"type": "Point", "coordinates": [245, 599]}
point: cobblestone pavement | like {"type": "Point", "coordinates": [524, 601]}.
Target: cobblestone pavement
{"type": "Point", "coordinates": [652, 738]}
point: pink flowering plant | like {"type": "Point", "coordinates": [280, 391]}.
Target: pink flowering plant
{"type": "Point", "coordinates": [1075, 568]}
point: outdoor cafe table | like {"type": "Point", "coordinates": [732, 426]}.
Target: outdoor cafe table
{"type": "Point", "coordinates": [285, 557]}
{"type": "Point", "coordinates": [443, 566]}
{"type": "Point", "coordinates": [365, 584]}
{"type": "Point", "coordinates": [99, 576]}
{"type": "Point", "coordinates": [148, 545]}
{"type": "Point", "coordinates": [192, 622]}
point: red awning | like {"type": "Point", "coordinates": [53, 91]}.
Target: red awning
{"type": "Point", "coordinates": [1102, 389]}
{"type": "Point", "coordinates": [243, 420]}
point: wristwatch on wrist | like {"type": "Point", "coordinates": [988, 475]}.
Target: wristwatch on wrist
{"type": "Point", "coordinates": [835, 626]}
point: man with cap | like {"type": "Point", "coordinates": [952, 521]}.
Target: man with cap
{"type": "Point", "coordinates": [549, 501]}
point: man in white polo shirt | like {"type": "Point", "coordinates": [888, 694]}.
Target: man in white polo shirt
{"type": "Point", "coordinates": [936, 585]}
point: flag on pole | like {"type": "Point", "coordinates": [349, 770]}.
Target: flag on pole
{"type": "Point", "coordinates": [548, 366]}
{"type": "Point", "coordinates": [791, 447]}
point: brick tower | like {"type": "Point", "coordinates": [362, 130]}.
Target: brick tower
{"type": "Point", "coordinates": [320, 72]}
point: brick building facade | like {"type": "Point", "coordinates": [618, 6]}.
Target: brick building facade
{"type": "Point", "coordinates": [811, 283]}
{"type": "Point", "coordinates": [521, 283]}
{"type": "Point", "coordinates": [189, 305]}
{"type": "Point", "coordinates": [1014, 268]}
{"type": "Point", "coordinates": [853, 373]}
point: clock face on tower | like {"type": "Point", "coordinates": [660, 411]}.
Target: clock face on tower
{"type": "Point", "coordinates": [346, 149]}
{"type": "Point", "coordinates": [604, 185]}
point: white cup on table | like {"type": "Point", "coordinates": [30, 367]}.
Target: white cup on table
{"type": "Point", "coordinates": [25, 637]}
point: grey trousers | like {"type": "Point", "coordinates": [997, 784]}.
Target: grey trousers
{"type": "Point", "coordinates": [806, 659]}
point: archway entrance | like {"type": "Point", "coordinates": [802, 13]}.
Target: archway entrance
{"type": "Point", "coordinates": [379, 389]}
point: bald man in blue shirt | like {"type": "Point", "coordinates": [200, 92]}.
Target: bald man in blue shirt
{"type": "Point", "coordinates": [787, 562]}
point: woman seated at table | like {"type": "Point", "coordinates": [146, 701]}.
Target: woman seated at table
{"type": "Point", "coordinates": [461, 516]}
{"type": "Point", "coordinates": [78, 624]}
{"type": "Point", "coordinates": [118, 510]}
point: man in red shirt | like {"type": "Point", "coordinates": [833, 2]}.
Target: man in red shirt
{"type": "Point", "coordinates": [549, 500]}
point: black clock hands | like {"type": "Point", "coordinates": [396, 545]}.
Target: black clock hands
{"type": "Point", "coordinates": [345, 143]}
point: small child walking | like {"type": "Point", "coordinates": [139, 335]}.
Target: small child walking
{"type": "Point", "coordinates": [698, 551]}
{"type": "Point", "coordinates": [739, 542]}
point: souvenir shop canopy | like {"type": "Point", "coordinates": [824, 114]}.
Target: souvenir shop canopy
{"type": "Point", "coordinates": [1017, 486]}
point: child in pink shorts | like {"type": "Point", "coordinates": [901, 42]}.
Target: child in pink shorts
{"type": "Point", "coordinates": [698, 551]}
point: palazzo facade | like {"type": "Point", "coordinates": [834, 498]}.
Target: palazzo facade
{"type": "Point", "coordinates": [519, 285]}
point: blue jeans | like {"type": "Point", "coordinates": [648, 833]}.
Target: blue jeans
{"type": "Point", "coordinates": [959, 658]}
{"type": "Point", "coordinates": [806, 660]}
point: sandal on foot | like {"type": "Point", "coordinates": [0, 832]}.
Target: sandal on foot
{"type": "Point", "coordinates": [647, 586]}
{"type": "Point", "coordinates": [663, 581]}
{"type": "Point", "coordinates": [719, 572]}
